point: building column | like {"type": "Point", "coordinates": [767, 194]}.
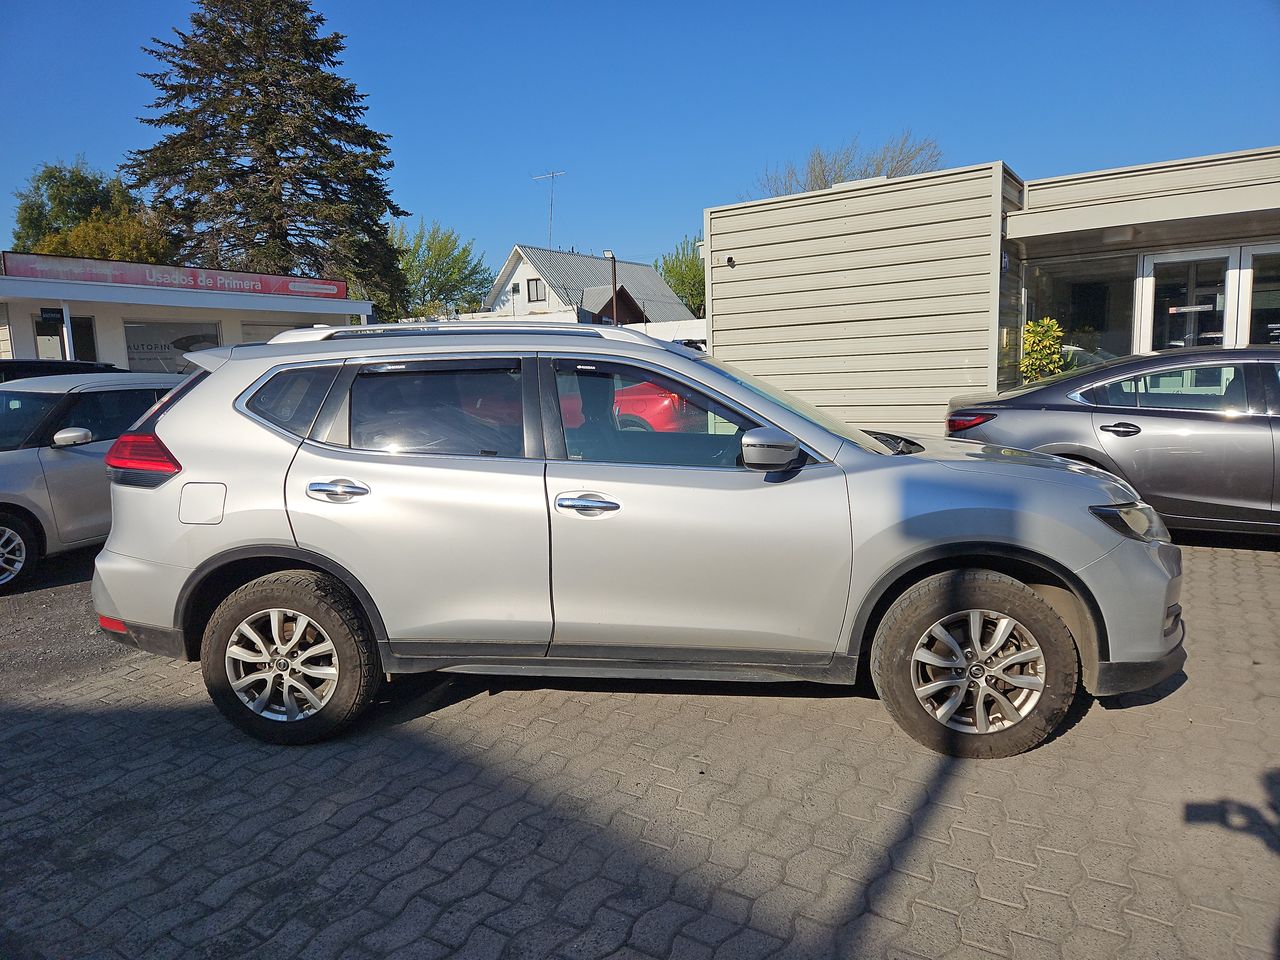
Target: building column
{"type": "Point", "coordinates": [68, 345]}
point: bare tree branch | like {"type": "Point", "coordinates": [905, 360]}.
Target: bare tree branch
{"type": "Point", "coordinates": [899, 156]}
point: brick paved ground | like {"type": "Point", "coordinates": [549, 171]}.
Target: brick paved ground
{"type": "Point", "coordinates": [579, 820]}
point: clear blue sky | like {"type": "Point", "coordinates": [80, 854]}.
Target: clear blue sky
{"type": "Point", "coordinates": [656, 110]}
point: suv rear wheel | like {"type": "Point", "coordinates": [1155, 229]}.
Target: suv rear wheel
{"type": "Point", "coordinates": [18, 553]}
{"type": "Point", "coordinates": [973, 663]}
{"type": "Point", "coordinates": [287, 658]}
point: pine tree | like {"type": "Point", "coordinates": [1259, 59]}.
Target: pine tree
{"type": "Point", "coordinates": [266, 164]}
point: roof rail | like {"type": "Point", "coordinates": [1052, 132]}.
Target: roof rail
{"type": "Point", "coordinates": [461, 328]}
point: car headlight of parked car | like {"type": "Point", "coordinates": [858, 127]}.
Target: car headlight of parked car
{"type": "Point", "coordinates": [1136, 520]}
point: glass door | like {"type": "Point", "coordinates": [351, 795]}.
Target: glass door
{"type": "Point", "coordinates": [1188, 299]}
{"type": "Point", "coordinates": [1260, 294]}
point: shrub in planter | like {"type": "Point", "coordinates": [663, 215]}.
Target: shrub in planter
{"type": "Point", "coordinates": [1041, 350]}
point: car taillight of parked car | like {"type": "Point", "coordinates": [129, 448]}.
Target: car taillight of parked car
{"type": "Point", "coordinates": [967, 421]}
{"type": "Point", "coordinates": [140, 459]}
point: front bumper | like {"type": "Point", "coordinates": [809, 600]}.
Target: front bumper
{"type": "Point", "coordinates": [1130, 676]}
{"type": "Point", "coordinates": [1137, 587]}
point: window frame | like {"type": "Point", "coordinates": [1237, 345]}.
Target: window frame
{"type": "Point", "coordinates": [241, 404]}
{"type": "Point", "coordinates": [331, 427]}
{"type": "Point", "coordinates": [553, 424]}
{"type": "Point", "coordinates": [1250, 371]}
{"type": "Point", "coordinates": [528, 288]}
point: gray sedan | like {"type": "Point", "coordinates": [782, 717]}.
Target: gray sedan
{"type": "Point", "coordinates": [1195, 430]}
{"type": "Point", "coordinates": [54, 433]}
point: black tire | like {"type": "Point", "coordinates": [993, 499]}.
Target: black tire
{"type": "Point", "coordinates": [12, 527]}
{"type": "Point", "coordinates": [327, 604]}
{"type": "Point", "coordinates": [934, 599]}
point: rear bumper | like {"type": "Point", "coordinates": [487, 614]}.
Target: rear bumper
{"type": "Point", "coordinates": [164, 643]}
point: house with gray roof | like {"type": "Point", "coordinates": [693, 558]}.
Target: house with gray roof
{"type": "Point", "coordinates": [536, 282]}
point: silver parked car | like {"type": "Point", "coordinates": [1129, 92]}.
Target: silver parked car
{"type": "Point", "coordinates": [54, 432]}
{"type": "Point", "coordinates": [307, 516]}
{"type": "Point", "coordinates": [1195, 431]}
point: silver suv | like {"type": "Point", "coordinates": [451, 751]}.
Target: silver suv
{"type": "Point", "coordinates": [309, 515]}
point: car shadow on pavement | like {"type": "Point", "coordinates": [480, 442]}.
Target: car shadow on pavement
{"type": "Point", "coordinates": [1142, 698]}
{"type": "Point", "coordinates": [1261, 543]}
{"type": "Point", "coordinates": [132, 828]}
{"type": "Point", "coordinates": [410, 697]}
{"type": "Point", "coordinates": [60, 570]}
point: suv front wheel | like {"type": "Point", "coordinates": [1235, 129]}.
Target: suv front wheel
{"type": "Point", "coordinates": [287, 658]}
{"type": "Point", "coordinates": [973, 663]}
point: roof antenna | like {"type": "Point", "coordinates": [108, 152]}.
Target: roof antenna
{"type": "Point", "coordinates": [551, 203]}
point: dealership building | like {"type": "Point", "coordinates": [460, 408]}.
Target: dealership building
{"type": "Point", "coordinates": [880, 300]}
{"type": "Point", "coordinates": [145, 317]}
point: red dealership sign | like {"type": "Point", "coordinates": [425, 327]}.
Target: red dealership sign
{"type": "Point", "coordinates": [41, 267]}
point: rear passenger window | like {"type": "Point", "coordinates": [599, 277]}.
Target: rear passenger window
{"type": "Point", "coordinates": [292, 398]}
{"type": "Point", "coordinates": [1210, 388]}
{"type": "Point", "coordinates": [464, 409]}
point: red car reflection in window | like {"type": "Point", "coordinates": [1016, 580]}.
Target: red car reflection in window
{"type": "Point", "coordinates": [641, 406]}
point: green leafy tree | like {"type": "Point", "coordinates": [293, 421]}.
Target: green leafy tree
{"type": "Point", "coordinates": [685, 274]}
{"type": "Point", "coordinates": [60, 197]}
{"type": "Point", "coordinates": [1041, 350]}
{"type": "Point", "coordinates": [134, 235]}
{"type": "Point", "coordinates": [899, 156]}
{"type": "Point", "coordinates": [442, 273]}
{"type": "Point", "coordinates": [266, 163]}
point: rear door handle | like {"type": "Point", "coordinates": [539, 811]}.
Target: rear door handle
{"type": "Point", "coordinates": [1122, 429]}
{"type": "Point", "coordinates": [587, 504]}
{"type": "Point", "coordinates": [335, 491]}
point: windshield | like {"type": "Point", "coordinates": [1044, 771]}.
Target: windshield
{"type": "Point", "coordinates": [20, 414]}
{"type": "Point", "coordinates": [799, 407]}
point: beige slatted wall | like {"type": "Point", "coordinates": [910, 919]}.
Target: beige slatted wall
{"type": "Point", "coordinates": [872, 300]}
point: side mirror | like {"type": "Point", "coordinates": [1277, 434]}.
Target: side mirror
{"type": "Point", "coordinates": [768, 448]}
{"type": "Point", "coordinates": [72, 437]}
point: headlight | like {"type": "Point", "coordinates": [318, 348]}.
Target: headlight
{"type": "Point", "coordinates": [1136, 520]}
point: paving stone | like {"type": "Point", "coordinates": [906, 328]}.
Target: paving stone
{"type": "Point", "coordinates": [513, 818]}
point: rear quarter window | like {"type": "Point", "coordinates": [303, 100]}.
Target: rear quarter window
{"type": "Point", "coordinates": [292, 398]}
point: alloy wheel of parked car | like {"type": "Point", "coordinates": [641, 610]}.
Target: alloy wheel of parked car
{"type": "Point", "coordinates": [974, 663]}
{"type": "Point", "coordinates": [281, 665]}
{"type": "Point", "coordinates": [288, 657]}
{"type": "Point", "coordinates": [16, 553]}
{"type": "Point", "coordinates": [978, 671]}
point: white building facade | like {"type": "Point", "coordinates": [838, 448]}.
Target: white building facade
{"type": "Point", "coordinates": [145, 317]}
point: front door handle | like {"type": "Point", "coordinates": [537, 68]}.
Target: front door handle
{"type": "Point", "coordinates": [335, 491]}
{"type": "Point", "coordinates": [587, 504]}
{"type": "Point", "coordinates": [1122, 429]}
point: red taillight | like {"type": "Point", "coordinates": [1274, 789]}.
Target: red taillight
{"type": "Point", "coordinates": [112, 625]}
{"type": "Point", "coordinates": [143, 452]}
{"type": "Point", "coordinates": [967, 421]}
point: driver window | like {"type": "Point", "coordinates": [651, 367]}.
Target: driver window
{"type": "Point", "coordinates": [621, 414]}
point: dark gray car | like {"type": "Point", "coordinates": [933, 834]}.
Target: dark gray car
{"type": "Point", "coordinates": [1195, 431]}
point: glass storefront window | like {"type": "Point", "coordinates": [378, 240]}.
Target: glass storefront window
{"type": "Point", "coordinates": [1092, 300]}
{"type": "Point", "coordinates": [1264, 315]}
{"type": "Point", "coordinates": [158, 345]}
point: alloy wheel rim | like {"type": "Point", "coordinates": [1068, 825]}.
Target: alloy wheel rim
{"type": "Point", "coordinates": [13, 554]}
{"type": "Point", "coordinates": [978, 671]}
{"type": "Point", "coordinates": [282, 665]}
